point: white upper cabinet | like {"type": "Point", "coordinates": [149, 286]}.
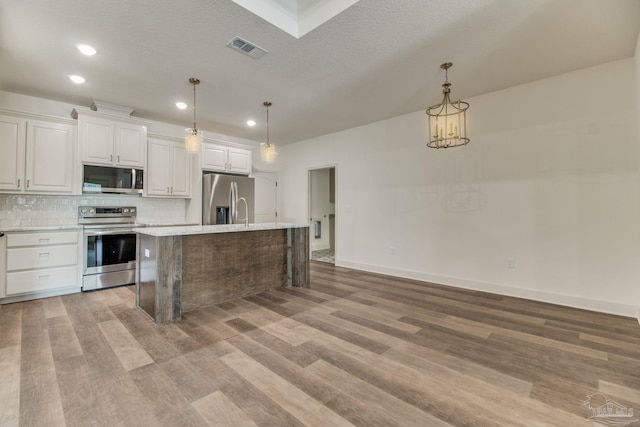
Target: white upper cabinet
{"type": "Point", "coordinates": [36, 156]}
{"type": "Point", "coordinates": [226, 159]}
{"type": "Point", "coordinates": [168, 169]}
{"type": "Point", "coordinates": [105, 141]}
{"type": "Point", "coordinates": [12, 149]}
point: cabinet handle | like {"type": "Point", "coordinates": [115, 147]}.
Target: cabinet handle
{"type": "Point", "coordinates": [43, 240]}
{"type": "Point", "coordinates": [44, 276]}
{"type": "Point", "coordinates": [171, 190]}
{"type": "Point", "coordinates": [111, 157]}
{"type": "Point", "coordinates": [18, 182]}
{"type": "Point", "coordinates": [118, 159]}
{"type": "Point", "coordinates": [1, 234]}
{"type": "Point", "coordinates": [44, 254]}
{"type": "Point", "coordinates": [168, 190]}
{"type": "Point", "coordinates": [28, 182]}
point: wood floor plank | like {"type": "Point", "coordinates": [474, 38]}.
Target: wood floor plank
{"type": "Point", "coordinates": [618, 392]}
{"type": "Point", "coordinates": [10, 325]}
{"type": "Point", "coordinates": [10, 386]}
{"type": "Point", "coordinates": [415, 356]}
{"type": "Point", "coordinates": [125, 346]}
{"type": "Point", "coordinates": [146, 335]}
{"type": "Point", "coordinates": [167, 402]}
{"type": "Point", "coordinates": [373, 313]}
{"type": "Point", "coordinates": [295, 401]}
{"type": "Point", "coordinates": [390, 410]}
{"type": "Point", "coordinates": [219, 411]}
{"type": "Point", "coordinates": [40, 402]}
{"type": "Point", "coordinates": [428, 393]}
{"type": "Point", "coordinates": [342, 333]}
{"type": "Point", "coordinates": [53, 307]}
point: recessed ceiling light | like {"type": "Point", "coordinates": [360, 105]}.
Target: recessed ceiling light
{"type": "Point", "coordinates": [181, 105]}
{"type": "Point", "coordinates": [85, 49]}
{"type": "Point", "coordinates": [77, 79]}
{"type": "Point", "coordinates": [251, 123]}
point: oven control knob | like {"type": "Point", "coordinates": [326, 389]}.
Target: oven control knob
{"type": "Point", "coordinates": [132, 210]}
{"type": "Point", "coordinates": [92, 210]}
{"type": "Point", "coordinates": [125, 210]}
{"type": "Point", "coordinates": [84, 211]}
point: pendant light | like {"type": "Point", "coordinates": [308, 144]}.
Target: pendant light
{"type": "Point", "coordinates": [267, 150]}
{"type": "Point", "coordinates": [447, 120]}
{"type": "Point", "coordinates": [193, 136]}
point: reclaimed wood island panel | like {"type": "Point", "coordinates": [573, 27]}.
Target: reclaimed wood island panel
{"type": "Point", "coordinates": [181, 269]}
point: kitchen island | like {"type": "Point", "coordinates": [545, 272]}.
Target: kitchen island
{"type": "Point", "coordinates": [181, 269]}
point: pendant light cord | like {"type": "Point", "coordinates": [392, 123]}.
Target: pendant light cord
{"type": "Point", "coordinates": [267, 104]}
{"type": "Point", "coordinates": [194, 106]}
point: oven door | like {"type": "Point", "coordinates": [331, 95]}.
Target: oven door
{"type": "Point", "coordinates": [109, 250]}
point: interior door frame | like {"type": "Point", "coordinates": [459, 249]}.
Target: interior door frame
{"type": "Point", "coordinates": [335, 201]}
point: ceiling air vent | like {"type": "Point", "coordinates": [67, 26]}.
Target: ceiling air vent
{"type": "Point", "coordinates": [247, 48]}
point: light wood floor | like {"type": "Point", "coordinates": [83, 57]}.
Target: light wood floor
{"type": "Point", "coordinates": [356, 348]}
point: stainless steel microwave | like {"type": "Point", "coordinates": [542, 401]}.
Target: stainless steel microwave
{"type": "Point", "coordinates": [106, 179]}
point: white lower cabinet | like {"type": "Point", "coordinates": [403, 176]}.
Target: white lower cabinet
{"type": "Point", "coordinates": [42, 261]}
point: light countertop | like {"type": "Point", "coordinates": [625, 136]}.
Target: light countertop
{"type": "Point", "coordinates": [210, 229]}
{"type": "Point", "coordinates": [43, 228]}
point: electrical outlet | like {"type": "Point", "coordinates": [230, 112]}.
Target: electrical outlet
{"type": "Point", "coordinates": [147, 254]}
{"type": "Point", "coordinates": [510, 263]}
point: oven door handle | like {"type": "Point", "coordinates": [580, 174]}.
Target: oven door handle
{"type": "Point", "coordinates": [107, 232]}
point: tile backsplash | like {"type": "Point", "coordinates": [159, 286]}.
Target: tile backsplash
{"type": "Point", "coordinates": [20, 210]}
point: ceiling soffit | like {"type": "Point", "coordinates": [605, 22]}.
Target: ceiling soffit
{"type": "Point", "coordinates": [296, 17]}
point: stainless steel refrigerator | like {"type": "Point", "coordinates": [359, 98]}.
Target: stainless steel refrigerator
{"type": "Point", "coordinates": [221, 194]}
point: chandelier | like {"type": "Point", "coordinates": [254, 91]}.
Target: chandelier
{"type": "Point", "coordinates": [193, 136]}
{"type": "Point", "coordinates": [447, 120]}
{"type": "Point", "coordinates": [267, 150]}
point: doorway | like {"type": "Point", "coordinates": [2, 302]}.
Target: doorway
{"type": "Point", "coordinates": [322, 214]}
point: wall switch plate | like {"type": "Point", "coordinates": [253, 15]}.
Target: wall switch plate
{"type": "Point", "coordinates": [510, 262]}
{"type": "Point", "coordinates": [147, 254]}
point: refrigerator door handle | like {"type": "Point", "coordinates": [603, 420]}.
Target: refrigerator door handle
{"type": "Point", "coordinates": [233, 199]}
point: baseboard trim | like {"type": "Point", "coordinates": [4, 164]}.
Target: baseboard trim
{"type": "Point", "coordinates": [608, 307]}
{"type": "Point", "coordinates": [40, 294]}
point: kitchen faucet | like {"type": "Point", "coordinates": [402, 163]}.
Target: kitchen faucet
{"type": "Point", "coordinates": [246, 210]}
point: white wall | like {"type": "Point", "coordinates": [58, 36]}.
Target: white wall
{"type": "Point", "coordinates": [550, 178]}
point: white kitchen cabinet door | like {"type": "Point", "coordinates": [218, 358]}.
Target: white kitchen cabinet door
{"type": "Point", "coordinates": [157, 179]}
{"type": "Point", "coordinates": [131, 145]}
{"type": "Point", "coordinates": [181, 171]}
{"type": "Point", "coordinates": [12, 148]}
{"type": "Point", "coordinates": [239, 161]}
{"type": "Point", "coordinates": [96, 139]}
{"type": "Point", "coordinates": [49, 157]}
{"type": "Point", "coordinates": [168, 169]}
{"type": "Point", "coordinates": [214, 158]}
{"type": "Point", "coordinates": [108, 142]}
{"type": "Point", "coordinates": [218, 158]}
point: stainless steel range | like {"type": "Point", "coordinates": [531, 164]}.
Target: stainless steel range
{"type": "Point", "coordinates": [109, 246]}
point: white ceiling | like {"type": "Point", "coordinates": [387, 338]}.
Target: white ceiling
{"type": "Point", "coordinates": [377, 59]}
